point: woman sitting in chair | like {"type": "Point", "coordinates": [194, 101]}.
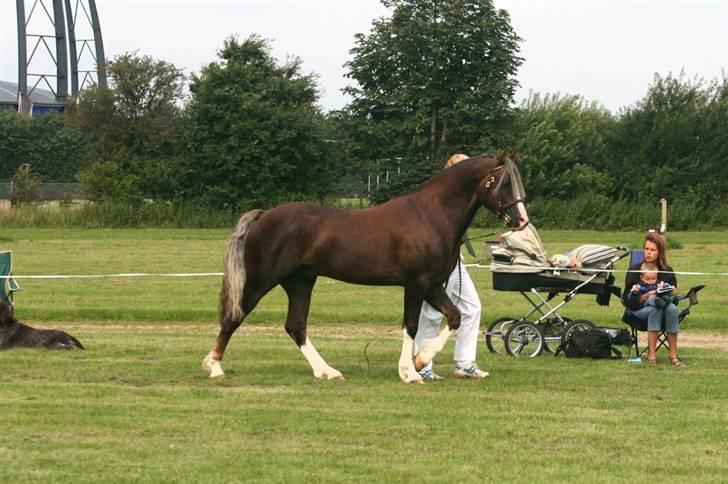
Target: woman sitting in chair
{"type": "Point", "coordinates": [654, 253]}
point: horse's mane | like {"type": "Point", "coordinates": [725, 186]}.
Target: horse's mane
{"type": "Point", "coordinates": [453, 171]}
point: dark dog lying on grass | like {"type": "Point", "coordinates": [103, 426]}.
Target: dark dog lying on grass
{"type": "Point", "coordinates": [14, 334]}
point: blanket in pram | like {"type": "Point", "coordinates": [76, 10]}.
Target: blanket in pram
{"type": "Point", "coordinates": [520, 262]}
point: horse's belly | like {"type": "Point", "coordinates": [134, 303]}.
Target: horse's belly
{"type": "Point", "coordinates": [369, 279]}
{"type": "Point", "coordinates": [360, 272]}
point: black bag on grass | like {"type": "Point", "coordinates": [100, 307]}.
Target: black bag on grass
{"type": "Point", "coordinates": [620, 336]}
{"type": "Point", "coordinates": [591, 343]}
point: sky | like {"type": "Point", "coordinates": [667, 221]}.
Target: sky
{"type": "Point", "coordinates": [607, 51]}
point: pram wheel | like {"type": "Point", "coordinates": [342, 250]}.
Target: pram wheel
{"type": "Point", "coordinates": [573, 327]}
{"type": "Point", "coordinates": [524, 339]}
{"type": "Point", "coordinates": [494, 335]}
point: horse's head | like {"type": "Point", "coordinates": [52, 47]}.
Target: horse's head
{"type": "Point", "coordinates": [6, 313]}
{"type": "Point", "coordinates": [502, 191]}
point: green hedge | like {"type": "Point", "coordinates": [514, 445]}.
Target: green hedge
{"type": "Point", "coordinates": [585, 212]}
{"type": "Point", "coordinates": [116, 215]}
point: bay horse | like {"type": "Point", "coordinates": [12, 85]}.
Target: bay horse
{"type": "Point", "coordinates": [411, 241]}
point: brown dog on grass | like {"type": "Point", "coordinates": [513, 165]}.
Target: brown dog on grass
{"type": "Point", "coordinates": [14, 334]}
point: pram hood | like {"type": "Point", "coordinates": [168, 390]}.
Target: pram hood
{"type": "Point", "coordinates": [520, 249]}
{"type": "Point", "coordinates": [522, 252]}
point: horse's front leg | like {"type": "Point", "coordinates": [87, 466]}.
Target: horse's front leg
{"type": "Point", "coordinates": [413, 298]}
{"type": "Point", "coordinates": [299, 288]}
{"type": "Point", "coordinates": [438, 299]}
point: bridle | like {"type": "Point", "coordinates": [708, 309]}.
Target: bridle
{"type": "Point", "coordinates": [501, 210]}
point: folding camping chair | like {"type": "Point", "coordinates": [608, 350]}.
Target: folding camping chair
{"type": "Point", "coordinates": [8, 285]}
{"type": "Point", "coordinates": [636, 324]}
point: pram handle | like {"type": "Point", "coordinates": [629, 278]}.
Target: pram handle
{"type": "Point", "coordinates": [625, 252]}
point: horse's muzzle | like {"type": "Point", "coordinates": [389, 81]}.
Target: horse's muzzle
{"type": "Point", "coordinates": [515, 216]}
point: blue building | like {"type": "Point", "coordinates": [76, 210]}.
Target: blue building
{"type": "Point", "coordinates": [41, 101]}
{"type": "Point", "coordinates": [64, 60]}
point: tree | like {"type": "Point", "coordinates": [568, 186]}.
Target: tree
{"type": "Point", "coordinates": [135, 124]}
{"type": "Point", "coordinates": [436, 77]}
{"type": "Point", "coordinates": [671, 144]}
{"type": "Point", "coordinates": [561, 144]}
{"type": "Point", "coordinates": [255, 136]}
{"type": "Point", "coordinates": [54, 149]}
{"type": "Point", "coordinates": [15, 143]}
{"type": "Point", "coordinates": [26, 186]}
{"type": "Point", "coordinates": [714, 145]}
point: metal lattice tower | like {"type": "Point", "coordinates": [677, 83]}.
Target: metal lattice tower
{"type": "Point", "coordinates": [52, 45]}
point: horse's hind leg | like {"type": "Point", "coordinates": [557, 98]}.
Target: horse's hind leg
{"type": "Point", "coordinates": [299, 288]}
{"type": "Point", "coordinates": [228, 325]}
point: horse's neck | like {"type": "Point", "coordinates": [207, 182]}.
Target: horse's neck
{"type": "Point", "coordinates": [457, 197]}
{"type": "Point", "coordinates": [461, 196]}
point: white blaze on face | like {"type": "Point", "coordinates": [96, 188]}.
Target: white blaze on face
{"type": "Point", "coordinates": [519, 193]}
{"type": "Point", "coordinates": [522, 216]}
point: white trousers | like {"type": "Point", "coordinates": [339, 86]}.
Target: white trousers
{"type": "Point", "coordinates": [461, 291]}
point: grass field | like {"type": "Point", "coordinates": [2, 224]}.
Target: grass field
{"type": "Point", "coordinates": [137, 407]}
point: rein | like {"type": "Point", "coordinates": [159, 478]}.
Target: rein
{"type": "Point", "coordinates": [468, 239]}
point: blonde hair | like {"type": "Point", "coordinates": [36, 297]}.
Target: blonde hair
{"type": "Point", "coordinates": [455, 159]}
{"type": "Point", "coordinates": [648, 268]}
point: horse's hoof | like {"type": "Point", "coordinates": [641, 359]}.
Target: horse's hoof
{"type": "Point", "coordinates": [330, 374]}
{"type": "Point", "coordinates": [216, 372]}
{"type": "Point", "coordinates": [407, 378]}
{"type": "Point", "coordinates": [213, 366]}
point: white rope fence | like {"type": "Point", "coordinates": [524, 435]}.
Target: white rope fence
{"type": "Point", "coordinates": [101, 276]}
{"type": "Point", "coordinates": [216, 274]}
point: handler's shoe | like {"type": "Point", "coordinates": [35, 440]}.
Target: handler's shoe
{"type": "Point", "coordinates": [430, 375]}
{"type": "Point", "coordinates": [471, 371]}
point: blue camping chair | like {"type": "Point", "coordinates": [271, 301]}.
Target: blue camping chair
{"type": "Point", "coordinates": [8, 285]}
{"type": "Point", "coordinates": [636, 324]}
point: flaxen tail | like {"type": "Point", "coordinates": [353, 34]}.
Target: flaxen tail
{"type": "Point", "coordinates": [234, 276]}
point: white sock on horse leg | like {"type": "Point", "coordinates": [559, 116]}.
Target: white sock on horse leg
{"type": "Point", "coordinates": [320, 368]}
{"type": "Point", "coordinates": [213, 366]}
{"type": "Point", "coordinates": [407, 371]}
{"type": "Point", "coordinates": [431, 348]}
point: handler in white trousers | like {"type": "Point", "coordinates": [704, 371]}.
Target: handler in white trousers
{"type": "Point", "coordinates": [461, 291]}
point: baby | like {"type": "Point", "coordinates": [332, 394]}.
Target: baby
{"type": "Point", "coordinates": [648, 282]}
{"type": "Point", "coordinates": [567, 261]}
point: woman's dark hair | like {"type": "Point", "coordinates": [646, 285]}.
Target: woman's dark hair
{"type": "Point", "coordinates": [657, 239]}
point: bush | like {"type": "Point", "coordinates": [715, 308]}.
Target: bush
{"type": "Point", "coordinates": [26, 186]}
{"type": "Point", "coordinates": [597, 212]}
{"type": "Point", "coordinates": [117, 215]}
